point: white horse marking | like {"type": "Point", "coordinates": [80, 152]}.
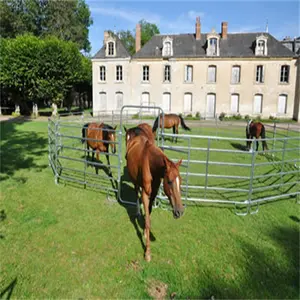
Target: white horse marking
{"type": "Point", "coordinates": [177, 183]}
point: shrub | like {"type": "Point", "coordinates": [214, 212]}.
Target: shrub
{"type": "Point", "coordinates": [222, 116]}
{"type": "Point", "coordinates": [198, 116]}
{"type": "Point", "coordinates": [14, 114]}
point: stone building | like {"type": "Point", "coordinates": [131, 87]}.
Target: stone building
{"type": "Point", "coordinates": [210, 73]}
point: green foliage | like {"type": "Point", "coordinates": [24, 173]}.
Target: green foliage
{"type": "Point", "coordinates": [128, 37]}
{"type": "Point", "coordinates": [14, 114]}
{"type": "Point", "coordinates": [198, 115]}
{"type": "Point", "coordinates": [45, 69]}
{"type": "Point", "coordinates": [67, 20]}
{"type": "Point", "coordinates": [148, 31]}
{"type": "Point", "coordinates": [222, 116]}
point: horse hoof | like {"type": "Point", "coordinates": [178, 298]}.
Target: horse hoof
{"type": "Point", "coordinates": [148, 257]}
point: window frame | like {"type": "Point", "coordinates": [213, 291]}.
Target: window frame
{"type": "Point", "coordinates": [215, 73]}
{"type": "Point", "coordinates": [239, 79]}
{"type": "Point", "coordinates": [102, 74]}
{"type": "Point", "coordinates": [146, 73]}
{"type": "Point", "coordinates": [281, 79]}
{"type": "Point", "coordinates": [186, 79]}
{"type": "Point", "coordinates": [119, 73]}
{"type": "Point", "coordinates": [111, 48]}
{"type": "Point", "coordinates": [167, 73]}
{"type": "Point", "coordinates": [260, 74]}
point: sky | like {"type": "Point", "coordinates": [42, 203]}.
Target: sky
{"type": "Point", "coordinates": [177, 16]}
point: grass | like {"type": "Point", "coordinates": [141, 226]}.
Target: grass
{"type": "Point", "coordinates": [63, 241]}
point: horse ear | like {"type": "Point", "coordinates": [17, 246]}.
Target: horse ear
{"type": "Point", "coordinates": [115, 127]}
{"type": "Point", "coordinates": [166, 163]}
{"type": "Point", "coordinates": [178, 164]}
{"type": "Point", "coordinates": [125, 128]}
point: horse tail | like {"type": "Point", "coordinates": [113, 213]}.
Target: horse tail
{"type": "Point", "coordinates": [85, 126]}
{"type": "Point", "coordinates": [263, 136]}
{"type": "Point", "coordinates": [183, 124]}
{"type": "Point", "coordinates": [155, 125]}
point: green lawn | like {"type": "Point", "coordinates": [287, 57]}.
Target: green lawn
{"type": "Point", "coordinates": [64, 241]}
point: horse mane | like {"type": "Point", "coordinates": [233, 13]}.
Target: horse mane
{"type": "Point", "coordinates": [105, 132]}
{"type": "Point", "coordinates": [248, 126]}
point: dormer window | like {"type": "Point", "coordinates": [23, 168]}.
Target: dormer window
{"type": "Point", "coordinates": [111, 47]}
{"type": "Point", "coordinates": [213, 44]}
{"type": "Point", "coordinates": [167, 47]}
{"type": "Point", "coordinates": [261, 46]}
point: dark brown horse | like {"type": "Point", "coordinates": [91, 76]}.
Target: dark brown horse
{"type": "Point", "coordinates": [99, 137]}
{"type": "Point", "coordinates": [142, 129]}
{"type": "Point", "coordinates": [147, 165]}
{"type": "Point", "coordinates": [256, 129]}
{"type": "Point", "coordinates": [170, 121]}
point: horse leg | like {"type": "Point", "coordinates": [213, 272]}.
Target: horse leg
{"type": "Point", "coordinates": [145, 198]}
{"type": "Point", "coordinates": [174, 130]}
{"type": "Point", "coordinates": [138, 206]}
{"type": "Point", "coordinates": [154, 190]}
{"type": "Point", "coordinates": [109, 168]}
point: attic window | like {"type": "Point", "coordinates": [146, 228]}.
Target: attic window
{"type": "Point", "coordinates": [167, 47]}
{"type": "Point", "coordinates": [213, 44]}
{"type": "Point", "coordinates": [111, 48]}
{"type": "Point", "coordinates": [261, 46]}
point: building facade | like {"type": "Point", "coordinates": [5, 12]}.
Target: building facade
{"type": "Point", "coordinates": [245, 73]}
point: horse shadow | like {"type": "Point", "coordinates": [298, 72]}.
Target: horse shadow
{"type": "Point", "coordinates": [137, 219]}
{"type": "Point", "coordinates": [239, 146]}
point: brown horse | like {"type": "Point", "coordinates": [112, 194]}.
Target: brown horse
{"type": "Point", "coordinates": [170, 121]}
{"type": "Point", "coordinates": [147, 165]}
{"type": "Point", "coordinates": [142, 129]}
{"type": "Point", "coordinates": [256, 129]}
{"type": "Point", "coordinates": [99, 137]}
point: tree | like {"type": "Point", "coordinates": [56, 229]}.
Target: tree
{"type": "Point", "coordinates": [67, 20]}
{"type": "Point", "coordinates": [148, 30]}
{"type": "Point", "coordinates": [34, 69]}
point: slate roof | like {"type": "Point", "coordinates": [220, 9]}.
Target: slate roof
{"type": "Point", "coordinates": [121, 51]}
{"type": "Point", "coordinates": [236, 45]}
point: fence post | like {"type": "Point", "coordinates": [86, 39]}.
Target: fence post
{"type": "Point", "coordinates": [251, 175]}
{"type": "Point", "coordinates": [206, 166]}
{"type": "Point", "coordinates": [282, 161]}
{"type": "Point", "coordinates": [274, 136]}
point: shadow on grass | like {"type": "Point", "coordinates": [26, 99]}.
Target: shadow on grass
{"type": "Point", "coordinates": [239, 146]}
{"type": "Point", "coordinates": [20, 149]}
{"type": "Point", "coordinates": [267, 276]}
{"type": "Point", "coordinates": [7, 292]}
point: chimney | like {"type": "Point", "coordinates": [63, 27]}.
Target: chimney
{"type": "Point", "coordinates": [137, 37]}
{"type": "Point", "coordinates": [198, 28]}
{"type": "Point", "coordinates": [106, 36]}
{"type": "Point", "coordinates": [224, 30]}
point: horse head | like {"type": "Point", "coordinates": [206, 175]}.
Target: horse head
{"type": "Point", "coordinates": [112, 139]}
{"type": "Point", "coordinates": [172, 182]}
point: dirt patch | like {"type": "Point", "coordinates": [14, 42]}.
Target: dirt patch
{"type": "Point", "coordinates": [157, 289]}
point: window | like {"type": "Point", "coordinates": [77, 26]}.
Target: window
{"type": "Point", "coordinates": [212, 74]}
{"type": "Point", "coordinates": [187, 102]}
{"type": "Point", "coordinates": [188, 73]}
{"type": "Point", "coordinates": [167, 48]}
{"type": "Point", "coordinates": [213, 45]}
{"type": "Point", "coordinates": [284, 74]}
{"type": "Point", "coordinates": [259, 74]}
{"type": "Point", "coordinates": [119, 73]}
{"type": "Point", "coordinates": [235, 74]}
{"type": "Point", "coordinates": [260, 47]}
{"type": "Point", "coordinates": [235, 103]}
{"type": "Point", "coordinates": [145, 73]}
{"type": "Point", "coordinates": [111, 48]}
{"type": "Point", "coordinates": [145, 101]}
{"type": "Point", "coordinates": [119, 100]}
{"type": "Point", "coordinates": [102, 73]}
{"type": "Point", "coordinates": [282, 104]}
{"type": "Point", "coordinates": [167, 73]}
{"type": "Point", "coordinates": [210, 105]}
{"type": "Point", "coordinates": [103, 101]}
{"type": "Point", "coordinates": [257, 106]}
{"type": "Point", "coordinates": [166, 103]}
